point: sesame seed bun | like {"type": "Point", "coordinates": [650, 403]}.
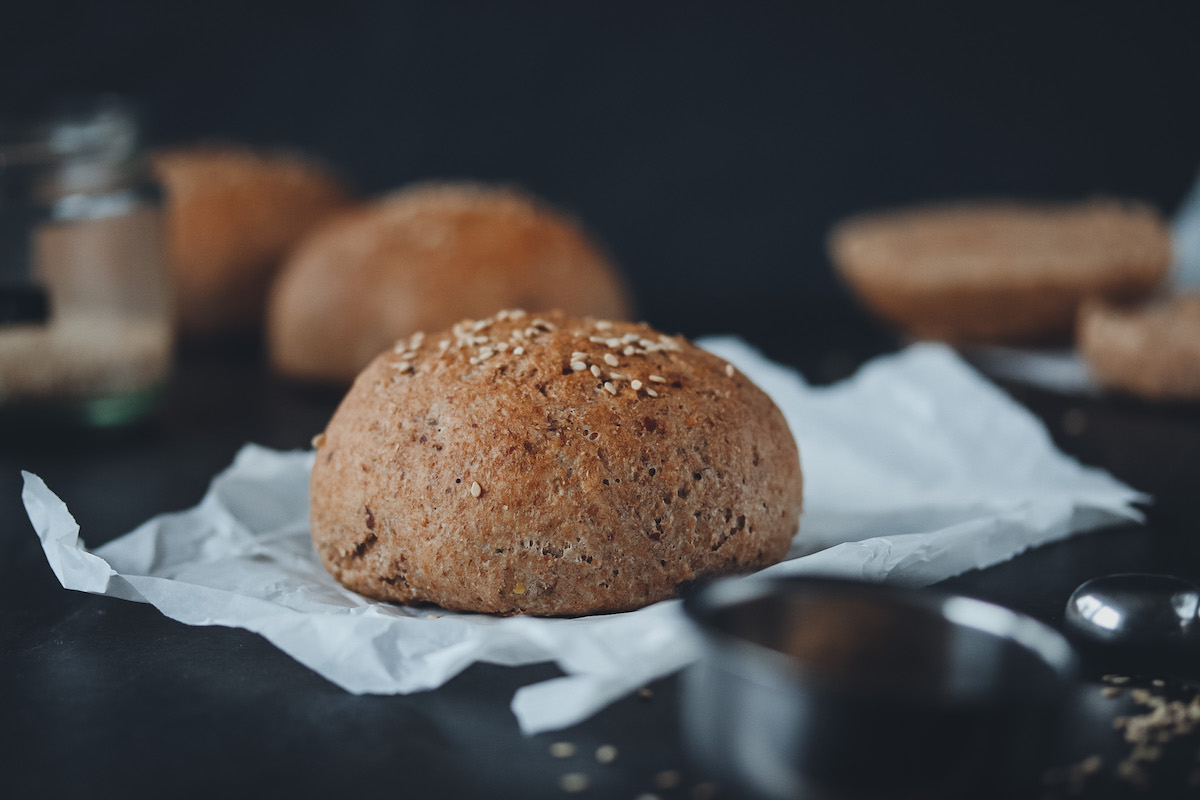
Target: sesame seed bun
{"type": "Point", "coordinates": [999, 273]}
{"type": "Point", "coordinates": [507, 466]}
{"type": "Point", "coordinates": [1152, 350]}
{"type": "Point", "coordinates": [232, 215]}
{"type": "Point", "coordinates": [421, 259]}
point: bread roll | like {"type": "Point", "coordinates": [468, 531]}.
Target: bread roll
{"type": "Point", "coordinates": [1152, 350]}
{"type": "Point", "coordinates": [421, 259]}
{"type": "Point", "coordinates": [999, 273]}
{"type": "Point", "coordinates": [550, 465]}
{"type": "Point", "coordinates": [232, 215]}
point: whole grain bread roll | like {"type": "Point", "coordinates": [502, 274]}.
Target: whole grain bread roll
{"type": "Point", "coordinates": [421, 259]}
{"type": "Point", "coordinates": [1151, 350]}
{"type": "Point", "coordinates": [550, 465]}
{"type": "Point", "coordinates": [232, 215]}
{"type": "Point", "coordinates": [999, 272]}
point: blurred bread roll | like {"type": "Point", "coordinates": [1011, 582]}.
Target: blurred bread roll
{"type": "Point", "coordinates": [232, 215]}
{"type": "Point", "coordinates": [1152, 350]}
{"type": "Point", "coordinates": [423, 258]}
{"type": "Point", "coordinates": [999, 272]}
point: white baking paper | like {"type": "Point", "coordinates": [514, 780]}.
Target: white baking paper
{"type": "Point", "coordinates": [915, 470]}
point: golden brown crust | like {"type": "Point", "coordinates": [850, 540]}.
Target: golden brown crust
{"type": "Point", "coordinates": [232, 215]}
{"type": "Point", "coordinates": [420, 259]}
{"type": "Point", "coordinates": [491, 469]}
{"type": "Point", "coordinates": [1001, 273]}
{"type": "Point", "coordinates": [1151, 350]}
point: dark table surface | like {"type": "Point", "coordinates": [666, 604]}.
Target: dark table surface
{"type": "Point", "coordinates": [105, 698]}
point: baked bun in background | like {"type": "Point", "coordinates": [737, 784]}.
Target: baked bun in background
{"type": "Point", "coordinates": [421, 259]}
{"type": "Point", "coordinates": [999, 272]}
{"type": "Point", "coordinates": [550, 465]}
{"type": "Point", "coordinates": [232, 215]}
{"type": "Point", "coordinates": [1152, 350]}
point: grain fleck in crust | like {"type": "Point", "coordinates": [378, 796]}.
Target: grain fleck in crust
{"type": "Point", "coordinates": [1152, 350]}
{"type": "Point", "coordinates": [421, 259]}
{"type": "Point", "coordinates": [490, 468]}
{"type": "Point", "coordinates": [999, 273]}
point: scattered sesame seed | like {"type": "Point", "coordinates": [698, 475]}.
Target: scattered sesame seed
{"type": "Point", "coordinates": [476, 489]}
{"type": "Point", "coordinates": [578, 366]}
{"type": "Point", "coordinates": [573, 782]}
{"type": "Point", "coordinates": [1117, 679]}
{"type": "Point", "coordinates": [416, 339]}
{"type": "Point", "coordinates": [629, 337]}
{"type": "Point", "coordinates": [433, 616]}
{"type": "Point", "coordinates": [403, 366]}
{"type": "Point", "coordinates": [444, 345]}
{"type": "Point", "coordinates": [480, 325]}
{"type": "Point", "coordinates": [629, 350]}
{"type": "Point", "coordinates": [473, 360]}
{"type": "Point", "coordinates": [657, 379]}
{"type": "Point", "coordinates": [667, 779]}
{"type": "Point", "coordinates": [486, 353]}
{"type": "Point", "coordinates": [729, 370]}
{"type": "Point", "coordinates": [519, 588]}
{"type": "Point", "coordinates": [613, 342]}
{"type": "Point", "coordinates": [502, 346]}
{"type": "Point", "coordinates": [318, 440]}
{"type": "Point", "coordinates": [611, 360]}
{"type": "Point", "coordinates": [518, 350]}
{"type": "Point", "coordinates": [597, 339]}
{"type": "Point", "coordinates": [608, 387]}
{"type": "Point", "coordinates": [606, 754]}
{"type": "Point", "coordinates": [595, 370]}
{"type": "Point", "coordinates": [635, 385]}
{"type": "Point", "coordinates": [603, 324]}
{"type": "Point", "coordinates": [516, 313]}
{"type": "Point", "coordinates": [562, 749]}
{"type": "Point", "coordinates": [1158, 683]}
{"type": "Point", "coordinates": [651, 392]}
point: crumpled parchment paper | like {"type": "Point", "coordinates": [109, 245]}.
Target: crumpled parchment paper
{"type": "Point", "coordinates": [916, 469]}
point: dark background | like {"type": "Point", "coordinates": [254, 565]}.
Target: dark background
{"type": "Point", "coordinates": [709, 145]}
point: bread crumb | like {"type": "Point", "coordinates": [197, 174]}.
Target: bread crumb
{"type": "Point", "coordinates": [667, 779]}
{"type": "Point", "coordinates": [562, 749]}
{"type": "Point", "coordinates": [573, 782]}
{"type": "Point", "coordinates": [606, 754]}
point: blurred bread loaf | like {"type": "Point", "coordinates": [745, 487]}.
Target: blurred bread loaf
{"type": "Point", "coordinates": [421, 259]}
{"type": "Point", "coordinates": [999, 272]}
{"type": "Point", "coordinates": [232, 215]}
{"type": "Point", "coordinates": [1151, 350]}
{"type": "Point", "coordinates": [551, 465]}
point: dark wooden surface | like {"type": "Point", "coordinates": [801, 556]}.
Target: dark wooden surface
{"type": "Point", "coordinates": [106, 698]}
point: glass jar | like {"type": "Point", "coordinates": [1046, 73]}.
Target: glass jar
{"type": "Point", "coordinates": [85, 316]}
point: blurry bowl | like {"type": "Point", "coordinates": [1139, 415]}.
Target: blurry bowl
{"type": "Point", "coordinates": [825, 688]}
